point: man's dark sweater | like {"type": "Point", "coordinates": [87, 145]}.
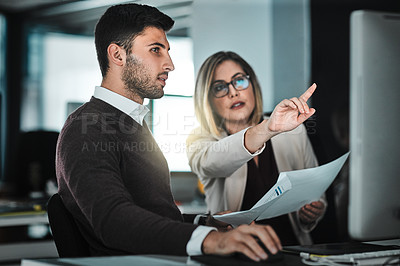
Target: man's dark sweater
{"type": "Point", "coordinates": [115, 181]}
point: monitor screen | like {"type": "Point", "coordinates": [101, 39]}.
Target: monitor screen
{"type": "Point", "coordinates": [374, 184]}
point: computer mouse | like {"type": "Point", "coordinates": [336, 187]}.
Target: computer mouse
{"type": "Point", "coordinates": [271, 257]}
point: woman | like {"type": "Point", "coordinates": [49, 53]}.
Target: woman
{"type": "Point", "coordinates": [233, 152]}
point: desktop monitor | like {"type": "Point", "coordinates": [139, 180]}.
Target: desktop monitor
{"type": "Point", "coordinates": [374, 181]}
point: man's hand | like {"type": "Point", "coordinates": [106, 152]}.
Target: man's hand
{"type": "Point", "coordinates": [289, 114]}
{"type": "Point", "coordinates": [309, 213]}
{"type": "Point", "coordinates": [241, 239]}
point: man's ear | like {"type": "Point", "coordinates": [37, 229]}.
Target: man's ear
{"type": "Point", "coordinates": [116, 54]}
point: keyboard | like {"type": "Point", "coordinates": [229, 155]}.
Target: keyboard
{"type": "Point", "coordinates": [383, 257]}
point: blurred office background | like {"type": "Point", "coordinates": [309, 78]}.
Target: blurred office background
{"type": "Point", "coordinates": [48, 68]}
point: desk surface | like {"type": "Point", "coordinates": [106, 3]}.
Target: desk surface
{"type": "Point", "coordinates": [37, 249]}
{"type": "Point", "coordinates": [19, 212]}
{"type": "Point", "coordinates": [11, 247]}
{"type": "Point", "coordinates": [154, 260]}
{"type": "Point", "coordinates": [24, 219]}
{"type": "Point", "coordinates": [158, 260]}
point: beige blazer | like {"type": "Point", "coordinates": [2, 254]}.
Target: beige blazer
{"type": "Point", "coordinates": [221, 165]}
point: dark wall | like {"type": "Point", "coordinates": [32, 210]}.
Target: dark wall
{"type": "Point", "coordinates": [330, 24]}
{"type": "Point", "coordinates": [15, 67]}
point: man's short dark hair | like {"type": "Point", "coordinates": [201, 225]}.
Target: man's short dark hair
{"type": "Point", "coordinates": [120, 24]}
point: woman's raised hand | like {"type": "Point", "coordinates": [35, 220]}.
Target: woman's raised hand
{"type": "Point", "coordinates": [289, 114]}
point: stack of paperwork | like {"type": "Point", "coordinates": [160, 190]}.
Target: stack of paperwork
{"type": "Point", "coordinates": [292, 191]}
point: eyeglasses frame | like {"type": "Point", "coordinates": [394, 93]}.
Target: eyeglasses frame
{"type": "Point", "coordinates": [230, 83]}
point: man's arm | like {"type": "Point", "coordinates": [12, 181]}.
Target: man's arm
{"type": "Point", "coordinates": [93, 190]}
{"type": "Point", "coordinates": [189, 218]}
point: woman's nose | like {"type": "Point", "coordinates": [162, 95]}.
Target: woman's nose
{"type": "Point", "coordinates": [232, 91]}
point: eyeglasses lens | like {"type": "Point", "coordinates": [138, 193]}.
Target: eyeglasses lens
{"type": "Point", "coordinates": [240, 83]}
{"type": "Point", "coordinates": [221, 89]}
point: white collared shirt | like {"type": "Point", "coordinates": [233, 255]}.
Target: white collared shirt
{"type": "Point", "coordinates": [133, 109]}
{"type": "Point", "coordinates": [137, 112]}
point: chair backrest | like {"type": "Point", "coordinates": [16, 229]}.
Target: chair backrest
{"type": "Point", "coordinates": [67, 237]}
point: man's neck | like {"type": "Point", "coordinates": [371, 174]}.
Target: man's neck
{"type": "Point", "coordinates": [117, 86]}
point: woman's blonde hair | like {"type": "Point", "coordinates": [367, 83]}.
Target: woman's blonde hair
{"type": "Point", "coordinates": [208, 118]}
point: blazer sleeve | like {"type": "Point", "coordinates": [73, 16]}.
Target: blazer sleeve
{"type": "Point", "coordinates": [211, 157]}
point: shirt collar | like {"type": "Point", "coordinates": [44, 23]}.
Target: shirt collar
{"type": "Point", "coordinates": [133, 109]}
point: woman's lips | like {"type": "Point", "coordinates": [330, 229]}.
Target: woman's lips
{"type": "Point", "coordinates": [237, 105]}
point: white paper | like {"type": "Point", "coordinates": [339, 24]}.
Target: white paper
{"type": "Point", "coordinates": [246, 217]}
{"type": "Point", "coordinates": [292, 191]}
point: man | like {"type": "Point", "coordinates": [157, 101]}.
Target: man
{"type": "Point", "coordinates": [112, 176]}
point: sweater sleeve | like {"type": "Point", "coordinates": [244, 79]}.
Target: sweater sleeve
{"type": "Point", "coordinates": [93, 190]}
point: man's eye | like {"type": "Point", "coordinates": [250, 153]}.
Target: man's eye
{"type": "Point", "coordinates": [155, 49]}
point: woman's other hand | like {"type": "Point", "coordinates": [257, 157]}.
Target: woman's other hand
{"type": "Point", "coordinates": [309, 213]}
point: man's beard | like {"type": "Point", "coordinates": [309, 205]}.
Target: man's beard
{"type": "Point", "coordinates": [138, 81]}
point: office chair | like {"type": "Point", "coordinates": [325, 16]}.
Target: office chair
{"type": "Point", "coordinates": [67, 237]}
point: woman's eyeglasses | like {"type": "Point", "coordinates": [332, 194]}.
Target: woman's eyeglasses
{"type": "Point", "coordinates": [219, 89]}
